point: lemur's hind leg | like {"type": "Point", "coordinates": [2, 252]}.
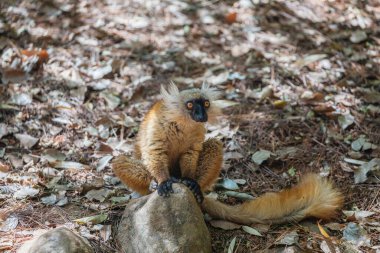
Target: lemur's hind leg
{"type": "Point", "coordinates": [208, 169]}
{"type": "Point", "coordinates": [132, 173]}
{"type": "Point", "coordinates": [209, 164]}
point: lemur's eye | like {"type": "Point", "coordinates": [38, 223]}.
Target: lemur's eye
{"type": "Point", "coordinates": [189, 105]}
{"type": "Point", "coordinates": [207, 104]}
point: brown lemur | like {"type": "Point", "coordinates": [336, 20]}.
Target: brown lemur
{"type": "Point", "coordinates": [171, 147]}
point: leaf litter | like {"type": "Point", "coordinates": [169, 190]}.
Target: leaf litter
{"type": "Point", "coordinates": [300, 87]}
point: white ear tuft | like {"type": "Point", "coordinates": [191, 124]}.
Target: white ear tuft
{"type": "Point", "coordinates": [164, 92]}
{"type": "Point", "coordinates": [171, 96]}
{"type": "Point", "coordinates": [211, 93]}
{"type": "Point", "coordinates": [173, 89]}
{"type": "Point", "coordinates": [205, 85]}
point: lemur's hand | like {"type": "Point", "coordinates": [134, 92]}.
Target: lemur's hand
{"type": "Point", "coordinates": [166, 187]}
{"type": "Point", "coordinates": [194, 188]}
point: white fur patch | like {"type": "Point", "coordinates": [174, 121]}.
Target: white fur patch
{"type": "Point", "coordinates": [175, 100]}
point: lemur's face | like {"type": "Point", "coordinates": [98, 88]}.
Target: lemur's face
{"type": "Point", "coordinates": [197, 109]}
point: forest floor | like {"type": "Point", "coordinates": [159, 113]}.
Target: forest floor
{"type": "Point", "coordinates": [301, 80]}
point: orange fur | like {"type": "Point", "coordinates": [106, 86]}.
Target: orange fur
{"type": "Point", "coordinates": [169, 140]}
{"type": "Point", "coordinates": [133, 173]}
{"type": "Point", "coordinates": [312, 197]}
{"type": "Point", "coordinates": [162, 142]}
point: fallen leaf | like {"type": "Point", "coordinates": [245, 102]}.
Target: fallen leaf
{"type": "Point", "coordinates": [289, 239]}
{"type": "Point", "coordinates": [13, 75]}
{"type": "Point", "coordinates": [361, 173]}
{"type": "Point", "coordinates": [96, 219]}
{"type": "Point", "coordinates": [62, 202]}
{"type": "Point", "coordinates": [322, 230]}
{"type": "Point", "coordinates": [99, 72]}
{"type": "Point", "coordinates": [265, 93]}
{"type": "Point", "coordinates": [239, 195]}
{"type": "Point", "coordinates": [323, 108]}
{"type": "Point", "coordinates": [219, 79]}
{"type": "Point", "coordinates": [260, 156]}
{"type": "Point", "coordinates": [335, 226]}
{"type": "Point", "coordinates": [26, 140]}
{"type": "Point", "coordinates": [228, 184]}
{"type": "Point", "coordinates": [112, 100]}
{"type": "Point", "coordinates": [236, 76]}
{"type": "Point", "coordinates": [358, 36]}
{"type": "Point", "coordinates": [119, 200]}
{"type": "Point", "coordinates": [103, 162]}
{"type": "Point", "coordinates": [69, 165]}
{"type": "Point", "coordinates": [308, 59]}
{"type": "Point", "coordinates": [231, 17]}
{"type": "Point", "coordinates": [52, 155]}
{"type": "Point", "coordinates": [328, 247]}
{"type": "Point", "coordinates": [72, 78]}
{"type": "Point", "coordinates": [225, 225]}
{"type": "Point", "coordinates": [49, 200]}
{"type": "Point", "coordinates": [21, 99]}
{"type": "Point", "coordinates": [251, 230]}
{"type": "Point", "coordinates": [312, 96]}
{"type": "Point", "coordinates": [232, 245]}
{"type": "Point", "coordinates": [279, 104]}
{"type": "Point", "coordinates": [359, 215]}
{"type": "Point", "coordinates": [99, 195]}
{"type": "Point", "coordinates": [240, 181]}
{"type": "Point", "coordinates": [106, 232]}
{"type": "Point", "coordinates": [371, 96]}
{"type": "Point", "coordinates": [353, 161]}
{"type": "Point", "coordinates": [232, 156]}
{"type": "Point", "coordinates": [225, 103]}
{"type": "Point", "coordinates": [286, 152]}
{"type": "Point", "coordinates": [362, 144]}
{"type": "Point", "coordinates": [25, 192]}
{"type": "Point", "coordinates": [3, 130]}
{"type": "Point", "coordinates": [42, 54]}
{"type": "Point", "coordinates": [346, 120]}
{"type": "Point", "coordinates": [356, 234]}
{"type": "Point", "coordinates": [9, 224]}
{"type": "Point", "coordinates": [4, 167]}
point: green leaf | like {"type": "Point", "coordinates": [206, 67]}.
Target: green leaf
{"type": "Point", "coordinates": [292, 171]}
{"type": "Point", "coordinates": [96, 219]}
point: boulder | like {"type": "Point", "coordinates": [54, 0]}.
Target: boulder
{"type": "Point", "coordinates": [58, 240]}
{"type": "Point", "coordinates": [154, 224]}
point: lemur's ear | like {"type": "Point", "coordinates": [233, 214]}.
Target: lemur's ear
{"type": "Point", "coordinates": [171, 97]}
{"type": "Point", "coordinates": [171, 93]}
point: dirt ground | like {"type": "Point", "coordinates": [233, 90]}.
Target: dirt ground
{"type": "Point", "coordinates": [301, 91]}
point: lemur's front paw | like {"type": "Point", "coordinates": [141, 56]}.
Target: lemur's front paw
{"type": "Point", "coordinates": [166, 187]}
{"type": "Point", "coordinates": [194, 188]}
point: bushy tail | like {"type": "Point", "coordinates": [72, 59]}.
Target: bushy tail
{"type": "Point", "coordinates": [312, 197]}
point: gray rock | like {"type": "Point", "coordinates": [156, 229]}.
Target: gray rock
{"type": "Point", "coordinates": [59, 240]}
{"type": "Point", "coordinates": [157, 224]}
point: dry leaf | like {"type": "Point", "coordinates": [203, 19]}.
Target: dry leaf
{"type": "Point", "coordinates": [26, 140]}
{"type": "Point", "coordinates": [225, 225]}
{"type": "Point", "coordinates": [231, 17]}
{"type": "Point", "coordinates": [323, 231]}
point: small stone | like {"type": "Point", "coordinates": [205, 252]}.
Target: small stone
{"type": "Point", "coordinates": [60, 240]}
